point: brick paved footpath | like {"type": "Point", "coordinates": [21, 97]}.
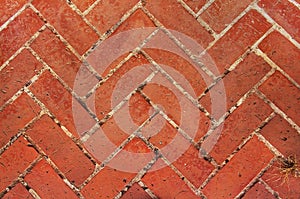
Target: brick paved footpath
{"type": "Point", "coordinates": [248, 62]}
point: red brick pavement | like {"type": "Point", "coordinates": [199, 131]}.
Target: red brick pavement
{"type": "Point", "coordinates": [217, 121]}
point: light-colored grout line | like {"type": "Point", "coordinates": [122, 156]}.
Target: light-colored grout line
{"type": "Point", "coordinates": [177, 85]}
{"type": "Point", "coordinates": [275, 66]}
{"type": "Point", "coordinates": [119, 148]}
{"type": "Point", "coordinates": [277, 110]}
{"type": "Point", "coordinates": [112, 30]}
{"type": "Point", "coordinates": [295, 3]}
{"type": "Point", "coordinates": [188, 9]}
{"type": "Point", "coordinates": [147, 190]}
{"type": "Point", "coordinates": [65, 42]}
{"type": "Point", "coordinates": [276, 25]}
{"type": "Point", "coordinates": [269, 189]}
{"type": "Point", "coordinates": [75, 9]}
{"type": "Point", "coordinates": [208, 28]}
{"type": "Point", "coordinates": [91, 7]}
{"type": "Point", "coordinates": [254, 180]}
{"type": "Point", "coordinates": [3, 26]}
{"type": "Point", "coordinates": [87, 135]}
{"type": "Point", "coordinates": [208, 3]}
{"type": "Point", "coordinates": [229, 26]}
{"type": "Point", "coordinates": [187, 51]}
{"type": "Point", "coordinates": [26, 44]}
{"type": "Point", "coordinates": [20, 132]}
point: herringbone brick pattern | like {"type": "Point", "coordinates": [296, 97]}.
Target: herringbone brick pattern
{"type": "Point", "coordinates": [46, 46]}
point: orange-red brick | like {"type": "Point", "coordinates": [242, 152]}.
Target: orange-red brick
{"type": "Point", "coordinates": [239, 125]}
{"type": "Point", "coordinates": [237, 40]}
{"type": "Point", "coordinates": [16, 74]}
{"type": "Point", "coordinates": [14, 161]}
{"type": "Point", "coordinates": [283, 94]}
{"type": "Point", "coordinates": [235, 176]}
{"type": "Point", "coordinates": [258, 191]}
{"type": "Point", "coordinates": [68, 23]}
{"type": "Point", "coordinates": [221, 13]}
{"type": "Point", "coordinates": [15, 116]}
{"type": "Point", "coordinates": [61, 150]}
{"type": "Point", "coordinates": [9, 8]}
{"type": "Point", "coordinates": [47, 183]}
{"type": "Point", "coordinates": [11, 38]}
{"type": "Point", "coordinates": [107, 13]}
{"type": "Point", "coordinates": [285, 14]}
{"type": "Point", "coordinates": [17, 191]}
{"type": "Point", "coordinates": [107, 183]}
{"type": "Point", "coordinates": [283, 53]}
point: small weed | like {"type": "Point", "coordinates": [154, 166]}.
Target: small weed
{"type": "Point", "coordinates": [289, 166]}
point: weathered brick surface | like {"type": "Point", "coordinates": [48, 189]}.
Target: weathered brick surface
{"type": "Point", "coordinates": [235, 176]}
{"type": "Point", "coordinates": [238, 39]}
{"type": "Point", "coordinates": [221, 13]}
{"type": "Point", "coordinates": [238, 82]}
{"type": "Point", "coordinates": [11, 40]}
{"type": "Point", "coordinates": [16, 74]}
{"type": "Point", "coordinates": [163, 181]}
{"type": "Point", "coordinates": [258, 191]}
{"type": "Point", "coordinates": [284, 94]}
{"type": "Point", "coordinates": [9, 8]}
{"type": "Point", "coordinates": [283, 53]}
{"type": "Point", "coordinates": [70, 25]}
{"type": "Point", "coordinates": [46, 182]}
{"type": "Point", "coordinates": [75, 42]}
{"type": "Point", "coordinates": [107, 183]}
{"type": "Point", "coordinates": [18, 191]}
{"type": "Point", "coordinates": [15, 116]}
{"type": "Point", "coordinates": [63, 152]}
{"type": "Point", "coordinates": [239, 125]}
{"type": "Point", "coordinates": [14, 161]}
{"type": "Point", "coordinates": [285, 14]}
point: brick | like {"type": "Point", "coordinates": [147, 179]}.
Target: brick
{"type": "Point", "coordinates": [135, 191]}
{"type": "Point", "coordinates": [282, 136]}
{"type": "Point", "coordinates": [47, 183]}
{"type": "Point", "coordinates": [258, 191]}
{"type": "Point", "coordinates": [106, 13]}
{"type": "Point", "coordinates": [236, 41]}
{"type": "Point", "coordinates": [60, 102]}
{"type": "Point", "coordinates": [63, 62]}
{"type": "Point", "coordinates": [14, 161]}
{"type": "Point", "coordinates": [83, 5]}
{"type": "Point", "coordinates": [18, 191]}
{"type": "Point", "coordinates": [193, 167]}
{"type": "Point", "coordinates": [221, 13]}
{"type": "Point", "coordinates": [237, 83]}
{"type": "Point", "coordinates": [239, 125]}
{"type": "Point", "coordinates": [197, 80]}
{"type": "Point", "coordinates": [57, 56]}
{"type": "Point", "coordinates": [136, 20]}
{"type": "Point", "coordinates": [12, 39]}
{"type": "Point", "coordinates": [130, 83]}
{"type": "Point", "coordinates": [9, 8]}
{"type": "Point", "coordinates": [61, 150]}
{"type": "Point", "coordinates": [236, 175]}
{"type": "Point", "coordinates": [283, 94]}
{"type": "Point", "coordinates": [173, 16]}
{"type": "Point", "coordinates": [164, 94]}
{"type": "Point", "coordinates": [283, 53]}
{"type": "Point", "coordinates": [195, 5]}
{"type": "Point", "coordinates": [17, 73]}
{"type": "Point", "coordinates": [159, 137]}
{"type": "Point", "coordinates": [15, 116]}
{"type": "Point", "coordinates": [286, 185]}
{"type": "Point", "coordinates": [107, 183]}
{"type": "Point", "coordinates": [165, 183]}
{"type": "Point", "coordinates": [68, 23]}
{"type": "Point", "coordinates": [285, 14]}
